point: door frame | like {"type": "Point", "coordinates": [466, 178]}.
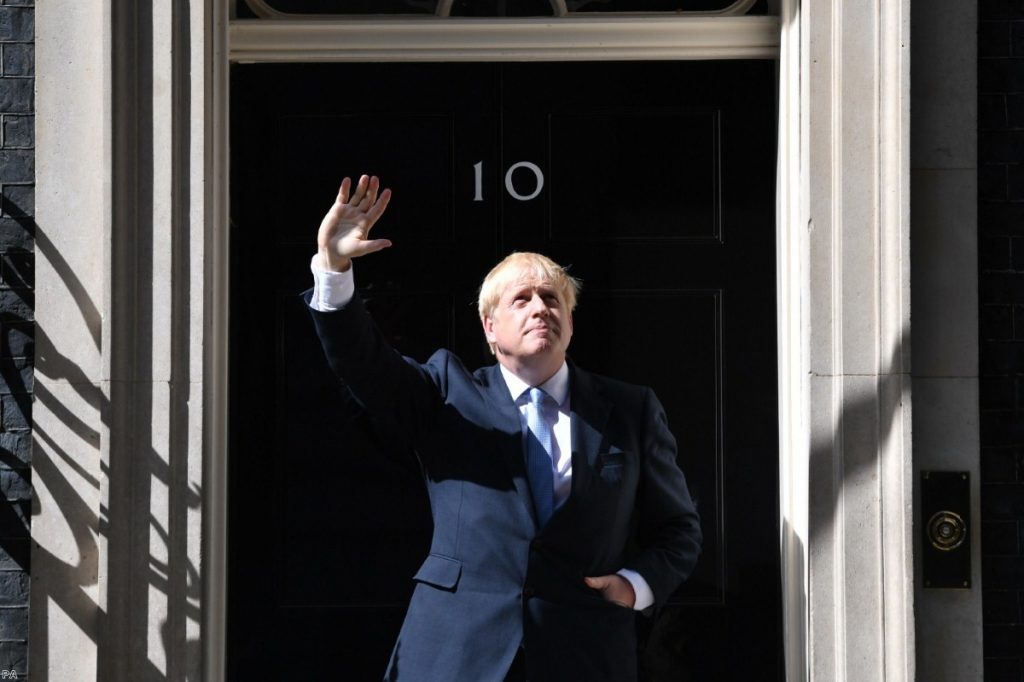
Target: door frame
{"type": "Point", "coordinates": [842, 299]}
{"type": "Point", "coordinates": [600, 38]}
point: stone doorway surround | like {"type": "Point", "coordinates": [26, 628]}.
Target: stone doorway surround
{"type": "Point", "coordinates": [129, 463]}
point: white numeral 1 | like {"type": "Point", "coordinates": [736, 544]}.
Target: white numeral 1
{"type": "Point", "coordinates": [478, 173]}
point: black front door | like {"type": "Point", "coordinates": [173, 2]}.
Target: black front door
{"type": "Point", "coordinates": [653, 180]}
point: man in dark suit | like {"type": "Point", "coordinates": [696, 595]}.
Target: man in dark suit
{"type": "Point", "coordinates": [559, 509]}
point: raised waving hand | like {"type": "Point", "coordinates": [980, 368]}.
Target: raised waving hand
{"type": "Point", "coordinates": [345, 230]}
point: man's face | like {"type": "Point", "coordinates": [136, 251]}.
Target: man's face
{"type": "Point", "coordinates": [529, 323]}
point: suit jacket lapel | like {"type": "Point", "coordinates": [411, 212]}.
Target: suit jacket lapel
{"type": "Point", "coordinates": [588, 418]}
{"type": "Point", "coordinates": [508, 431]}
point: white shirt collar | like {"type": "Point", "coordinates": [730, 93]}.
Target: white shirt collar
{"type": "Point", "coordinates": [557, 386]}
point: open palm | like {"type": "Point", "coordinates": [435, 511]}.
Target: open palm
{"type": "Point", "coordinates": [345, 230]}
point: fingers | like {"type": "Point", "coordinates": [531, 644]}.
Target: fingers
{"type": "Point", "coordinates": [360, 191]}
{"type": "Point", "coordinates": [377, 209]}
{"type": "Point", "coordinates": [365, 198]}
{"type": "Point", "coordinates": [599, 583]}
{"type": "Point", "coordinates": [343, 191]}
{"type": "Point", "coordinates": [371, 194]}
{"type": "Point", "coordinates": [365, 195]}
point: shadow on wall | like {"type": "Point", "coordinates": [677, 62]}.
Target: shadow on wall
{"type": "Point", "coordinates": [865, 423]}
{"type": "Point", "coordinates": [121, 508]}
{"type": "Point", "coordinates": [145, 560]}
{"type": "Point", "coordinates": [846, 480]}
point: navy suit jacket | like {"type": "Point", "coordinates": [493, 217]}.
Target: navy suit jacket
{"type": "Point", "coordinates": [492, 579]}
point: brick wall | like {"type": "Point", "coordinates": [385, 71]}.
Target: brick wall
{"type": "Point", "coordinates": [1001, 287]}
{"type": "Point", "coordinates": [17, 177]}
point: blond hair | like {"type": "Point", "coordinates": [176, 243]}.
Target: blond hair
{"type": "Point", "coordinates": [521, 266]}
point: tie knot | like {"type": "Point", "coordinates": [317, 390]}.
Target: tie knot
{"type": "Point", "coordinates": [538, 397]}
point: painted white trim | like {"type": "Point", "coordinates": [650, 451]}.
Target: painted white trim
{"type": "Point", "coordinates": [215, 363]}
{"type": "Point", "coordinates": [531, 39]}
{"type": "Point", "coordinates": [793, 391]}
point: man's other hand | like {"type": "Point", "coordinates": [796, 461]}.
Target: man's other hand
{"type": "Point", "coordinates": [345, 230]}
{"type": "Point", "coordinates": [614, 588]}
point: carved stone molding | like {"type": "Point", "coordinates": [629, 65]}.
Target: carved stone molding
{"type": "Point", "coordinates": [534, 39]}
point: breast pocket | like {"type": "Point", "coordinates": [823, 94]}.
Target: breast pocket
{"type": "Point", "coordinates": [612, 466]}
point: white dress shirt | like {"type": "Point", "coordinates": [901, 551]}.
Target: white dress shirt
{"type": "Point", "coordinates": [332, 290]}
{"type": "Point", "coordinates": [558, 388]}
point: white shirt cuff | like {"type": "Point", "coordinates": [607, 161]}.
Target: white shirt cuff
{"type": "Point", "coordinates": [331, 290]}
{"type": "Point", "coordinates": [644, 596]}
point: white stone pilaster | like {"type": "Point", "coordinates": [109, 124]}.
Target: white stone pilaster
{"type": "Point", "coordinates": [844, 324]}
{"type": "Point", "coordinates": [127, 201]}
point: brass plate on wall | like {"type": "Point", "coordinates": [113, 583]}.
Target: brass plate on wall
{"type": "Point", "coordinates": [945, 525]}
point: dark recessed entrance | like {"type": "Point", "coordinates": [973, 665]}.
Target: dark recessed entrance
{"type": "Point", "coordinates": [654, 180]}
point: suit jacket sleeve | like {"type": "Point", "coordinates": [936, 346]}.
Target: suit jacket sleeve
{"type": "Point", "coordinates": [668, 531]}
{"type": "Point", "coordinates": [393, 389]}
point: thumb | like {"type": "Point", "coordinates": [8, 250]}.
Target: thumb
{"type": "Point", "coordinates": [367, 246]}
{"type": "Point", "coordinates": [599, 582]}
{"type": "Point", "coordinates": [373, 245]}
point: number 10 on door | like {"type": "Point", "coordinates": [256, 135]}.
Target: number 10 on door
{"type": "Point", "coordinates": [527, 166]}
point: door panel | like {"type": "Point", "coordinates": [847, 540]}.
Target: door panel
{"type": "Point", "coordinates": [673, 161]}
{"type": "Point", "coordinates": [655, 181]}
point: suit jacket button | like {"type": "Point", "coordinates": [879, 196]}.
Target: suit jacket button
{"type": "Point", "coordinates": [528, 592]}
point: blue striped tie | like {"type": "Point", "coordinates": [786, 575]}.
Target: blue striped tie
{"type": "Point", "coordinates": [539, 446]}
